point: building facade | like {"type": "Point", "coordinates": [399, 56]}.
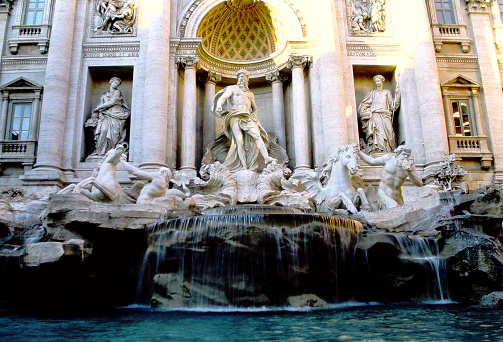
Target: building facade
{"type": "Point", "coordinates": [311, 63]}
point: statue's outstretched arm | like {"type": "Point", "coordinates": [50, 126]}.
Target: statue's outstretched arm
{"type": "Point", "coordinates": [135, 171]}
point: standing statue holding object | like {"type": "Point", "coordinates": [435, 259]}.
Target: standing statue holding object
{"type": "Point", "coordinates": [376, 113]}
{"type": "Point", "coordinates": [396, 169]}
{"type": "Point", "coordinates": [236, 106]}
{"type": "Point", "coordinates": [109, 119]}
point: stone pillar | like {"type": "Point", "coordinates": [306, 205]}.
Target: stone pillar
{"type": "Point", "coordinates": [56, 88]}
{"type": "Point", "coordinates": [3, 115]}
{"type": "Point", "coordinates": [479, 17]}
{"type": "Point", "coordinates": [155, 115]}
{"type": "Point", "coordinates": [209, 119]}
{"type": "Point", "coordinates": [300, 119]}
{"type": "Point", "coordinates": [418, 48]}
{"type": "Point", "coordinates": [278, 106]}
{"type": "Point", "coordinates": [327, 64]}
{"type": "Point", "coordinates": [35, 110]}
{"type": "Point", "coordinates": [189, 123]}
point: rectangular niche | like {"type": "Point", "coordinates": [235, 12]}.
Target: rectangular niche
{"type": "Point", "coordinates": [363, 81]}
{"type": "Point", "coordinates": [98, 83]}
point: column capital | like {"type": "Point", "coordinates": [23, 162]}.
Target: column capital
{"type": "Point", "coordinates": [188, 62]}
{"type": "Point", "coordinates": [211, 77]}
{"type": "Point", "coordinates": [478, 6]}
{"type": "Point", "coordinates": [275, 76]}
{"type": "Point", "coordinates": [6, 6]}
{"type": "Point", "coordinates": [299, 61]}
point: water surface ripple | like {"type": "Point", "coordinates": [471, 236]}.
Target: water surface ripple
{"type": "Point", "coordinates": [344, 323]}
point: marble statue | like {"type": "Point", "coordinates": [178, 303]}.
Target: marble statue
{"type": "Point", "coordinates": [236, 106]}
{"type": "Point", "coordinates": [333, 188]}
{"type": "Point", "coordinates": [156, 187]}
{"type": "Point", "coordinates": [109, 119]}
{"type": "Point", "coordinates": [378, 16]}
{"type": "Point", "coordinates": [103, 187]}
{"type": "Point", "coordinates": [376, 114]}
{"type": "Point", "coordinates": [396, 169]}
{"type": "Point", "coordinates": [117, 16]}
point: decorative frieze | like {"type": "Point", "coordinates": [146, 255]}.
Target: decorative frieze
{"type": "Point", "coordinates": [17, 61]}
{"type": "Point", "coordinates": [478, 6]}
{"type": "Point", "coordinates": [373, 50]}
{"type": "Point", "coordinates": [111, 51]}
{"type": "Point", "coordinates": [114, 18]}
{"type": "Point", "coordinates": [457, 59]}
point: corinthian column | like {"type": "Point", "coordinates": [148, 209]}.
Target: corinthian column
{"type": "Point", "coordinates": [56, 87]}
{"type": "Point", "coordinates": [300, 119]}
{"type": "Point", "coordinates": [209, 119]}
{"type": "Point", "coordinates": [278, 106]}
{"type": "Point", "coordinates": [189, 116]}
{"type": "Point", "coordinates": [155, 115]}
{"type": "Point", "coordinates": [479, 15]}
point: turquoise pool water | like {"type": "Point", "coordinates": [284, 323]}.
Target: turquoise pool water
{"type": "Point", "coordinates": [425, 322]}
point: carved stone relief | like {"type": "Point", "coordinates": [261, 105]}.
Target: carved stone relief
{"type": "Point", "coordinates": [366, 16]}
{"type": "Point", "coordinates": [114, 17]}
{"type": "Point", "coordinates": [478, 5]}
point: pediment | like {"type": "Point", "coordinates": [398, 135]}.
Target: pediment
{"type": "Point", "coordinates": [460, 81]}
{"type": "Point", "coordinates": [21, 83]}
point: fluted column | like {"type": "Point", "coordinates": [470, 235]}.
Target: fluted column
{"type": "Point", "coordinates": [278, 106]}
{"type": "Point", "coordinates": [155, 115]}
{"type": "Point", "coordinates": [300, 120]}
{"type": "Point", "coordinates": [189, 126]}
{"type": "Point", "coordinates": [56, 86]}
{"type": "Point", "coordinates": [479, 17]}
{"type": "Point", "coordinates": [209, 119]}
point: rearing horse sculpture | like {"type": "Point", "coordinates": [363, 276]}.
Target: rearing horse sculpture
{"type": "Point", "coordinates": [333, 188]}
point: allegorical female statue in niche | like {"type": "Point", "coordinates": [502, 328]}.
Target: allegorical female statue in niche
{"type": "Point", "coordinates": [376, 113]}
{"type": "Point", "coordinates": [109, 119]}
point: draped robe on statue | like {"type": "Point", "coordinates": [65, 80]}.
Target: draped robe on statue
{"type": "Point", "coordinates": [246, 122]}
{"type": "Point", "coordinates": [110, 129]}
{"type": "Point", "coordinates": [376, 111]}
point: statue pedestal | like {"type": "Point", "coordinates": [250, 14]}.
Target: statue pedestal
{"type": "Point", "coordinates": [246, 182]}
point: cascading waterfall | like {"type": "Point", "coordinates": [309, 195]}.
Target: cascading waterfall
{"type": "Point", "coordinates": [249, 256]}
{"type": "Point", "coordinates": [425, 252]}
{"type": "Point", "coordinates": [248, 259]}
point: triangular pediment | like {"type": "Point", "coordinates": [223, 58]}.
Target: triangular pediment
{"type": "Point", "coordinates": [461, 82]}
{"type": "Point", "coordinates": [21, 83]}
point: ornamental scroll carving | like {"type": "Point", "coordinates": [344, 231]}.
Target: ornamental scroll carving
{"type": "Point", "coordinates": [478, 6]}
{"type": "Point", "coordinates": [366, 16]}
{"type": "Point", "coordinates": [114, 17]}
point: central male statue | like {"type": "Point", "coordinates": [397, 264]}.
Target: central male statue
{"type": "Point", "coordinates": [236, 106]}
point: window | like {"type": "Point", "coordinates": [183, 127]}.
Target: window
{"type": "Point", "coordinates": [461, 118]}
{"type": "Point", "coordinates": [20, 122]}
{"type": "Point", "coordinates": [445, 12]}
{"type": "Point", "coordinates": [34, 12]}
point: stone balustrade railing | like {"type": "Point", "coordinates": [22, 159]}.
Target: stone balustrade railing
{"type": "Point", "coordinates": [18, 151]}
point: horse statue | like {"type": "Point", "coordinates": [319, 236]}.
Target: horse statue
{"type": "Point", "coordinates": [333, 188]}
{"type": "Point", "coordinates": [103, 187]}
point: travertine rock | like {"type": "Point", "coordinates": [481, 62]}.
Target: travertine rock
{"type": "Point", "coordinates": [42, 253]}
{"type": "Point", "coordinates": [492, 299]}
{"type": "Point", "coordinates": [304, 300]}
